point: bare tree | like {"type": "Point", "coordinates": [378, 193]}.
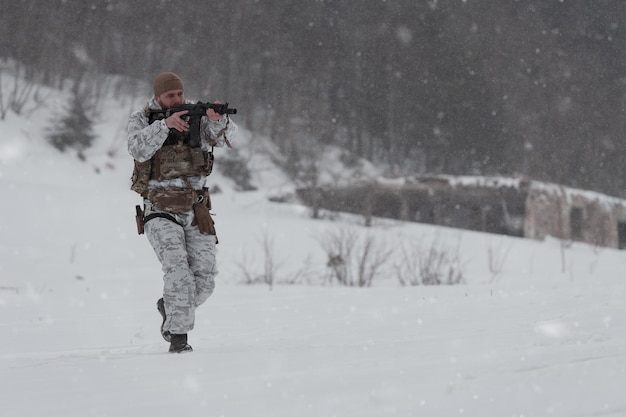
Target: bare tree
{"type": "Point", "coordinates": [529, 87]}
{"type": "Point", "coordinates": [23, 91]}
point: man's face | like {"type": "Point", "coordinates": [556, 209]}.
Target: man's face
{"type": "Point", "coordinates": [171, 99]}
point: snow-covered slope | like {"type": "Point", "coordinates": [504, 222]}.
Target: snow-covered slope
{"type": "Point", "coordinates": [538, 329]}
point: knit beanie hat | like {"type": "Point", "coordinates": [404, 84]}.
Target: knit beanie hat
{"type": "Point", "coordinates": [166, 81]}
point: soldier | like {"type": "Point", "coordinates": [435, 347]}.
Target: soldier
{"type": "Point", "coordinates": [170, 173]}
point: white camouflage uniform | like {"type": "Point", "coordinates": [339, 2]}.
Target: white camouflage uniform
{"type": "Point", "coordinates": [187, 257]}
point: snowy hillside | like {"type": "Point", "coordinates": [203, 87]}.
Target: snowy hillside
{"type": "Point", "coordinates": [537, 329]}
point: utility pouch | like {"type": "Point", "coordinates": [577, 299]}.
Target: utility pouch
{"type": "Point", "coordinates": [204, 221]}
{"type": "Point", "coordinates": [141, 176]}
{"type": "Point", "coordinates": [174, 201]}
{"type": "Point", "coordinates": [139, 219]}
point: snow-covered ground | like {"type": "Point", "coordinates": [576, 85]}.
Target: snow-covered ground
{"type": "Point", "coordinates": [542, 332]}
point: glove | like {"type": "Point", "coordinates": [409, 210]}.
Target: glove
{"type": "Point", "coordinates": [202, 218]}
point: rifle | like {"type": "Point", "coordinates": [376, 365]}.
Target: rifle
{"type": "Point", "coordinates": [193, 116]}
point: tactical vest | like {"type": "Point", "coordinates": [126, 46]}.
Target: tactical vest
{"type": "Point", "coordinates": [175, 159]}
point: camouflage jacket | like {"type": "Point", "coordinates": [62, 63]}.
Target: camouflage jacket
{"type": "Point", "coordinates": [145, 139]}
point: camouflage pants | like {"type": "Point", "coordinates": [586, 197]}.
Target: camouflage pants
{"type": "Point", "coordinates": [188, 262]}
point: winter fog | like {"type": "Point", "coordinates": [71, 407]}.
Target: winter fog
{"type": "Point", "coordinates": [328, 91]}
{"type": "Point", "coordinates": [474, 87]}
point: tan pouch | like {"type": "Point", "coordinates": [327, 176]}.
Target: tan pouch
{"type": "Point", "coordinates": [175, 201]}
{"type": "Point", "coordinates": [202, 218]}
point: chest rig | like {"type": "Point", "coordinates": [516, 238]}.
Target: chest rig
{"type": "Point", "coordinates": [178, 157]}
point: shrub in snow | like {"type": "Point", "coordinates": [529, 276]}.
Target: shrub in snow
{"type": "Point", "coordinates": [432, 264]}
{"type": "Point", "coordinates": [354, 260]}
{"type": "Point", "coordinates": [74, 130]}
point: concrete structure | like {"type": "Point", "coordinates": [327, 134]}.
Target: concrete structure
{"type": "Point", "coordinates": [510, 206]}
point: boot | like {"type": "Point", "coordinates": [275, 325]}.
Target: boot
{"type": "Point", "coordinates": [179, 344]}
{"type": "Point", "coordinates": [161, 307]}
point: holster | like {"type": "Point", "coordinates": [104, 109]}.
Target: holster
{"type": "Point", "coordinates": [139, 219]}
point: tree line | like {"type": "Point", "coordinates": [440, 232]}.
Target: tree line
{"type": "Point", "coordinates": [524, 87]}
